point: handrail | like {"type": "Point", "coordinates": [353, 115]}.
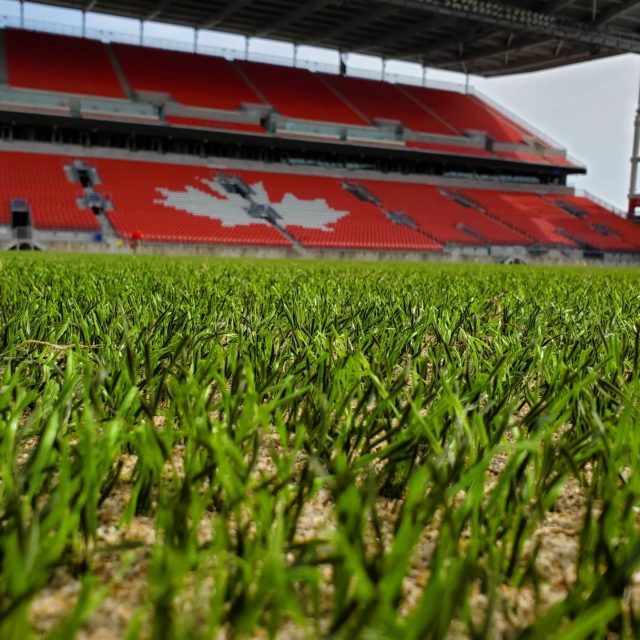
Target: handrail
{"type": "Point", "coordinates": [583, 193]}
{"type": "Point", "coordinates": [507, 113]}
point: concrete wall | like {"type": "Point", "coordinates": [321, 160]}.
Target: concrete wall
{"type": "Point", "coordinates": [472, 255]}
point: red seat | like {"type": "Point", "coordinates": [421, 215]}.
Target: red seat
{"type": "Point", "coordinates": [448, 148]}
{"type": "Point", "coordinates": [135, 189]}
{"type": "Point", "coordinates": [381, 100]}
{"type": "Point", "coordinates": [624, 234]}
{"type": "Point", "coordinates": [50, 62]}
{"type": "Point", "coordinates": [528, 213]}
{"type": "Point", "coordinates": [190, 79]}
{"type": "Point", "coordinates": [188, 204]}
{"type": "Point", "coordinates": [41, 181]}
{"type": "Point", "coordinates": [443, 218]}
{"type": "Point", "coordinates": [466, 112]}
{"type": "Point", "coordinates": [300, 94]}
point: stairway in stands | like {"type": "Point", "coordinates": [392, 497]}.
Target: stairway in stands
{"type": "Point", "coordinates": [88, 178]}
{"type": "Point", "coordinates": [400, 218]}
{"type": "Point", "coordinates": [467, 201]}
{"type": "Point", "coordinates": [117, 67]}
{"type": "Point", "coordinates": [267, 213]}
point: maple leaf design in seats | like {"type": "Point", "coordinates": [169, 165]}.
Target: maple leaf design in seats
{"type": "Point", "coordinates": [211, 200]}
{"type": "Point", "coordinates": [215, 202]}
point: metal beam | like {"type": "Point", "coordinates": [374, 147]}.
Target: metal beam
{"type": "Point", "coordinates": [90, 6]}
{"type": "Point", "coordinates": [485, 34]}
{"type": "Point", "coordinates": [399, 35]}
{"type": "Point", "coordinates": [616, 11]}
{"type": "Point", "coordinates": [304, 10]}
{"type": "Point", "coordinates": [478, 34]}
{"type": "Point", "coordinates": [475, 34]}
{"type": "Point", "coordinates": [420, 51]}
{"type": "Point", "coordinates": [539, 65]}
{"type": "Point", "coordinates": [489, 52]}
{"type": "Point", "coordinates": [518, 19]}
{"type": "Point", "coordinates": [553, 7]}
{"type": "Point", "coordinates": [231, 7]}
{"type": "Point", "coordinates": [348, 26]}
{"type": "Point", "coordinates": [160, 7]}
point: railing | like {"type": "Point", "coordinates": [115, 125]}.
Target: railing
{"type": "Point", "coordinates": [303, 128]}
{"type": "Point", "coordinates": [119, 108]}
{"type": "Point", "coordinates": [22, 233]}
{"type": "Point", "coordinates": [516, 119]}
{"type": "Point", "coordinates": [399, 78]}
{"type": "Point", "coordinates": [32, 99]}
{"type": "Point", "coordinates": [38, 101]}
{"type": "Point", "coordinates": [583, 193]}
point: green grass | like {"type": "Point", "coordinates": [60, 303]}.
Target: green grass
{"type": "Point", "coordinates": [225, 403]}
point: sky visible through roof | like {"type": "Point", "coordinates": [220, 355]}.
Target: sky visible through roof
{"type": "Point", "coordinates": [588, 108]}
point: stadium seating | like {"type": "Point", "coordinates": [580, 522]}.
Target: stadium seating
{"type": "Point", "coordinates": [41, 181]}
{"type": "Point", "coordinates": [300, 94]}
{"type": "Point", "coordinates": [73, 65]}
{"type": "Point", "coordinates": [158, 201]}
{"type": "Point", "coordinates": [161, 199]}
{"type": "Point", "coordinates": [194, 80]}
{"type": "Point", "coordinates": [543, 220]}
{"type": "Point", "coordinates": [527, 213]}
{"type": "Point", "coordinates": [48, 62]}
{"type": "Point", "coordinates": [384, 101]}
{"type": "Point", "coordinates": [361, 226]}
{"type": "Point", "coordinates": [442, 218]}
{"type": "Point", "coordinates": [623, 234]}
{"type": "Point", "coordinates": [466, 112]}
{"type": "Point", "coordinates": [190, 204]}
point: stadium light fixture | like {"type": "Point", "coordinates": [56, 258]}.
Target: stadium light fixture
{"type": "Point", "coordinates": [504, 16]}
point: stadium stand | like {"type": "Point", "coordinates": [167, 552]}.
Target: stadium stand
{"type": "Point", "coordinates": [190, 79]}
{"type": "Point", "coordinates": [300, 94]}
{"type": "Point", "coordinates": [442, 218]}
{"type": "Point", "coordinates": [202, 82]}
{"type": "Point", "coordinates": [526, 213]}
{"type": "Point", "coordinates": [172, 203]}
{"type": "Point", "coordinates": [300, 203]}
{"type": "Point", "coordinates": [49, 62]}
{"type": "Point", "coordinates": [193, 214]}
{"type": "Point", "coordinates": [41, 181]}
{"type": "Point", "coordinates": [611, 230]}
{"type": "Point", "coordinates": [384, 101]}
{"type": "Point", "coordinates": [548, 221]}
{"type": "Point", "coordinates": [359, 225]}
{"type": "Point", "coordinates": [468, 113]}
{"type": "Point", "coordinates": [470, 179]}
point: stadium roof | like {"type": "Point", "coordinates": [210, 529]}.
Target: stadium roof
{"type": "Point", "coordinates": [472, 36]}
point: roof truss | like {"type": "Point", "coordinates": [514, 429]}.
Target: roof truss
{"type": "Point", "coordinates": [483, 36]}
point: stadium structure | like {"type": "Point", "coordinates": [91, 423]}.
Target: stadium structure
{"type": "Point", "coordinates": [104, 143]}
